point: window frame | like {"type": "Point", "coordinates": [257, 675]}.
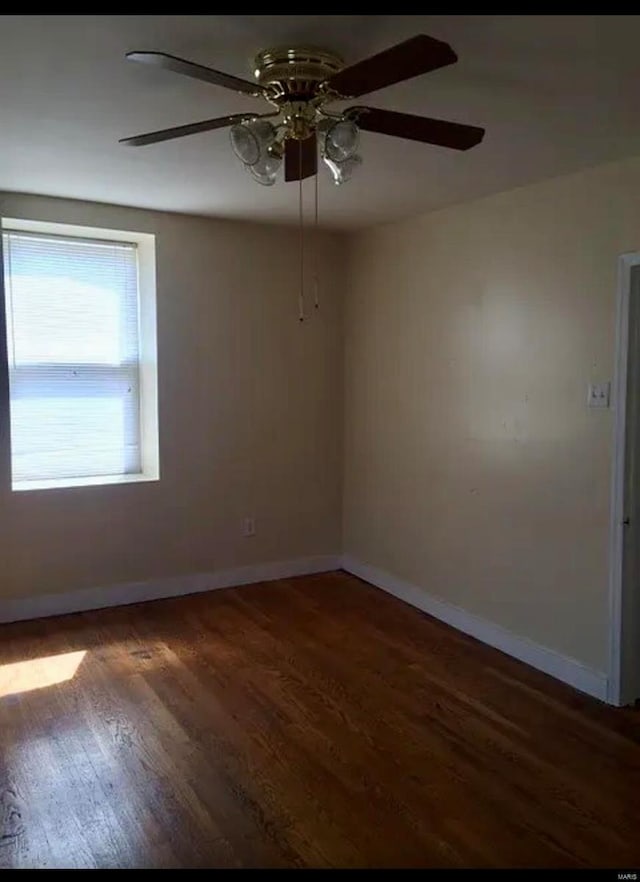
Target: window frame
{"type": "Point", "coordinates": [148, 359]}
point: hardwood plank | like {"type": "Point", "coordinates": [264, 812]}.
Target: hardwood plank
{"type": "Point", "coordinates": [309, 722]}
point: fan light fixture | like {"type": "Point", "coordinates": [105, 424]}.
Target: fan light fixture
{"type": "Point", "coordinates": [258, 145]}
{"type": "Point", "coordinates": [300, 84]}
{"type": "Point", "coordinates": [254, 143]}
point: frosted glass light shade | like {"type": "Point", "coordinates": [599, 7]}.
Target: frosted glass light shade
{"type": "Point", "coordinates": [245, 144]}
{"type": "Point", "coordinates": [251, 140]}
{"type": "Point", "coordinates": [342, 171]}
{"type": "Point", "coordinates": [341, 140]}
{"type": "Point", "coordinates": [265, 171]}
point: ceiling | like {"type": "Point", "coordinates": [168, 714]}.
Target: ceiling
{"type": "Point", "coordinates": [556, 93]}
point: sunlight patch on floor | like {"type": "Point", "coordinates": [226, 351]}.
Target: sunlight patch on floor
{"type": "Point", "coordinates": [37, 673]}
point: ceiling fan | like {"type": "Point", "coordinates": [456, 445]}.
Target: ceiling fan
{"type": "Point", "coordinates": [301, 84]}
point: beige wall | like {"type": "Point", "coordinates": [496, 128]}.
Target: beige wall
{"type": "Point", "coordinates": [473, 467]}
{"type": "Point", "coordinates": [250, 418]}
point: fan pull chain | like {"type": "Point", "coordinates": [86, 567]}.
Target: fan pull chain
{"type": "Point", "coordinates": [301, 222]}
{"type": "Point", "coordinates": [316, 248]}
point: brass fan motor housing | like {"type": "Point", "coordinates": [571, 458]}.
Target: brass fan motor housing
{"type": "Point", "coordinates": [293, 78]}
{"type": "Point", "coordinates": [295, 72]}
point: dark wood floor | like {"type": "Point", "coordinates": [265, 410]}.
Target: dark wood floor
{"type": "Point", "coordinates": [309, 722]}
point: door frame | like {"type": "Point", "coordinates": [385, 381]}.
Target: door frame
{"type": "Point", "coordinates": [617, 688]}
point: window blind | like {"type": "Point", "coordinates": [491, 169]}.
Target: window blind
{"type": "Point", "coordinates": [72, 328]}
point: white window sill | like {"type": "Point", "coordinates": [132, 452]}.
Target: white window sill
{"type": "Point", "coordinates": [91, 481]}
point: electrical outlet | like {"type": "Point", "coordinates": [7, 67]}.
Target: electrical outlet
{"type": "Point", "coordinates": [249, 526]}
{"type": "Point", "coordinates": [598, 394]}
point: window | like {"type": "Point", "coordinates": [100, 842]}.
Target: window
{"type": "Point", "coordinates": [80, 316]}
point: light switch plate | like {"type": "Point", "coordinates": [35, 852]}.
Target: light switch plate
{"type": "Point", "coordinates": [598, 394]}
{"type": "Point", "coordinates": [248, 526]}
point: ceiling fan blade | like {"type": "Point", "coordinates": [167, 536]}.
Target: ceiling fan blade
{"type": "Point", "coordinates": [300, 158]}
{"type": "Point", "coordinates": [413, 57]}
{"type": "Point", "coordinates": [207, 125]}
{"type": "Point", "coordinates": [416, 128]}
{"type": "Point", "coordinates": [197, 71]}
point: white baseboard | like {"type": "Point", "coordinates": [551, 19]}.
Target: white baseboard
{"type": "Point", "coordinates": [569, 670]}
{"type": "Point", "coordinates": [41, 606]}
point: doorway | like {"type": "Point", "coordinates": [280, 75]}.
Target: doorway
{"type": "Point", "coordinates": [624, 668]}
